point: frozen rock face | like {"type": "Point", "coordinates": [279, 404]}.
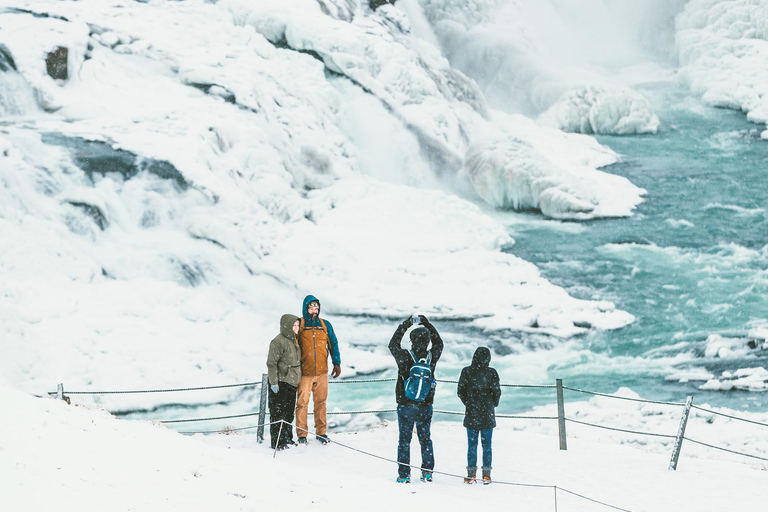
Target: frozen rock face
{"type": "Point", "coordinates": [510, 173]}
{"type": "Point", "coordinates": [606, 110]}
{"type": "Point", "coordinates": [16, 96]}
{"type": "Point", "coordinates": [723, 51]}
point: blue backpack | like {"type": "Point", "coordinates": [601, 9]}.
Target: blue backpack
{"type": "Point", "coordinates": [419, 382]}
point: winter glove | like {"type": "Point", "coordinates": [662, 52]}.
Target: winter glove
{"type": "Point", "coordinates": [275, 388]}
{"type": "Point", "coordinates": [406, 324]}
{"type": "Point", "coordinates": [336, 371]}
{"type": "Point", "coordinates": [423, 320]}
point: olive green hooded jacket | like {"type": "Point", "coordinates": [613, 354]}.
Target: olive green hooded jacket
{"type": "Point", "coordinates": [284, 359]}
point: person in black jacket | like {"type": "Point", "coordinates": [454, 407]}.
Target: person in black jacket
{"type": "Point", "coordinates": [410, 413]}
{"type": "Point", "coordinates": [479, 391]}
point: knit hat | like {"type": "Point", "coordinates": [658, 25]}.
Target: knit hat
{"type": "Point", "coordinates": [420, 339]}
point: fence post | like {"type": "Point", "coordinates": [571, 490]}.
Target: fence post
{"type": "Point", "coordinates": [262, 407]}
{"type": "Point", "coordinates": [680, 434]}
{"type": "Point", "coordinates": [60, 391]}
{"type": "Point", "coordinates": [561, 413]}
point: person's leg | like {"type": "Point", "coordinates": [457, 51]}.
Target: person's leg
{"type": "Point", "coordinates": [286, 399]}
{"type": "Point", "coordinates": [472, 436]}
{"type": "Point", "coordinates": [274, 407]}
{"type": "Point", "coordinates": [423, 425]}
{"type": "Point", "coordinates": [319, 397]}
{"type": "Point", "coordinates": [302, 402]}
{"type": "Point", "coordinates": [406, 416]}
{"type": "Point", "coordinates": [290, 407]}
{"type": "Point", "coordinates": [487, 436]}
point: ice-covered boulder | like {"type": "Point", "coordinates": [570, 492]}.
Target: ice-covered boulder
{"type": "Point", "coordinates": [509, 172]}
{"type": "Point", "coordinates": [723, 52]}
{"type": "Point", "coordinates": [601, 109]}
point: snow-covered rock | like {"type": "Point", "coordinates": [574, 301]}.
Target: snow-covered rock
{"type": "Point", "coordinates": [510, 173]}
{"type": "Point", "coordinates": [723, 47]}
{"type": "Point", "coordinates": [607, 110]}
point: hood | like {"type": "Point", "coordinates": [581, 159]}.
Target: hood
{"type": "Point", "coordinates": [307, 300]}
{"type": "Point", "coordinates": [420, 339]}
{"type": "Point", "coordinates": [482, 358]}
{"type": "Point", "coordinates": [286, 325]}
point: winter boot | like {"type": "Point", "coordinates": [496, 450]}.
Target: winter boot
{"type": "Point", "coordinates": [404, 479]}
{"type": "Point", "coordinates": [302, 440]}
{"type": "Point", "coordinates": [426, 475]}
{"type": "Point", "coordinates": [471, 477]}
{"type": "Point", "coordinates": [486, 475]}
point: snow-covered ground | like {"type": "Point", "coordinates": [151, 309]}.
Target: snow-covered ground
{"type": "Point", "coordinates": [55, 456]}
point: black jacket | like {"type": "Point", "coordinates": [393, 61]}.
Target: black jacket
{"type": "Point", "coordinates": [405, 361]}
{"type": "Point", "coordinates": [479, 391]}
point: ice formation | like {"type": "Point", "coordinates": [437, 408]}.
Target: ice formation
{"type": "Point", "coordinates": [723, 47]}
{"type": "Point", "coordinates": [608, 110]}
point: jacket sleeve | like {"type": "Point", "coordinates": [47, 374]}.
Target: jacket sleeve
{"type": "Point", "coordinates": [397, 351]}
{"type": "Point", "coordinates": [272, 358]}
{"type": "Point", "coordinates": [495, 388]}
{"type": "Point", "coordinates": [461, 390]}
{"type": "Point", "coordinates": [437, 342]}
{"type": "Point", "coordinates": [335, 355]}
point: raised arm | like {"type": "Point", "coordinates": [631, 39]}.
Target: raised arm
{"type": "Point", "coordinates": [394, 344]}
{"type": "Point", "coordinates": [437, 341]}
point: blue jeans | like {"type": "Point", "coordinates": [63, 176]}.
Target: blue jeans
{"type": "Point", "coordinates": [486, 435]}
{"type": "Point", "coordinates": [407, 417]}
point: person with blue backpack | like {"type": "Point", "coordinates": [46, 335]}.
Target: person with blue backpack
{"type": "Point", "coordinates": [415, 392]}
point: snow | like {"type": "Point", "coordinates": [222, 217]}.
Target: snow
{"type": "Point", "coordinates": [602, 110]}
{"type": "Point", "coordinates": [69, 457]}
{"type": "Point", "coordinates": [723, 47]}
{"type": "Point", "coordinates": [157, 208]}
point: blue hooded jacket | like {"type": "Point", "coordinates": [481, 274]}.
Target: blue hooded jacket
{"type": "Point", "coordinates": [335, 356]}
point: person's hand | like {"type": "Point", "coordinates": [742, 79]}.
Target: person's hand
{"type": "Point", "coordinates": [275, 388]}
{"type": "Point", "coordinates": [406, 324]}
{"type": "Point", "coordinates": [423, 320]}
{"type": "Point", "coordinates": [336, 371]}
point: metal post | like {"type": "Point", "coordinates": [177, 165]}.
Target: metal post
{"type": "Point", "coordinates": [262, 407]}
{"type": "Point", "coordinates": [680, 434]}
{"type": "Point", "coordinates": [60, 392]}
{"type": "Point", "coordinates": [561, 413]}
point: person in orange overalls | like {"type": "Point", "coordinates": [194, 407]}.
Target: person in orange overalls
{"type": "Point", "coordinates": [316, 341]}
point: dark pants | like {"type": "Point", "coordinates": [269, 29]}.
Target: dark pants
{"type": "Point", "coordinates": [487, 436]}
{"type": "Point", "coordinates": [407, 417]}
{"type": "Point", "coordinates": [281, 407]}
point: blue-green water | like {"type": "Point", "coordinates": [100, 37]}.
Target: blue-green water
{"type": "Point", "coordinates": [691, 262]}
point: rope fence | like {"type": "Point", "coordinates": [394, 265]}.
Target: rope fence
{"type": "Point", "coordinates": [561, 417]}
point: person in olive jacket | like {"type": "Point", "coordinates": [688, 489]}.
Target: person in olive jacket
{"type": "Point", "coordinates": [479, 391]}
{"type": "Point", "coordinates": [284, 370]}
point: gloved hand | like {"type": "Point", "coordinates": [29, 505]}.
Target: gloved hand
{"type": "Point", "coordinates": [275, 388]}
{"type": "Point", "coordinates": [423, 319]}
{"type": "Point", "coordinates": [406, 324]}
{"type": "Point", "coordinates": [336, 371]}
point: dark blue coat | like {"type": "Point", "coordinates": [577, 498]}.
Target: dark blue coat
{"type": "Point", "coordinates": [479, 391]}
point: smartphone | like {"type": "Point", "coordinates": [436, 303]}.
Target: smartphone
{"type": "Point", "coordinates": [415, 319]}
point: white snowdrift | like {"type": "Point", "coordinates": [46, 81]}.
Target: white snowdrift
{"type": "Point", "coordinates": [57, 456]}
{"type": "Point", "coordinates": [723, 51]}
{"type": "Point", "coordinates": [605, 110]}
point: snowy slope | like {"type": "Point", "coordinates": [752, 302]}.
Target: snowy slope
{"type": "Point", "coordinates": [59, 457]}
